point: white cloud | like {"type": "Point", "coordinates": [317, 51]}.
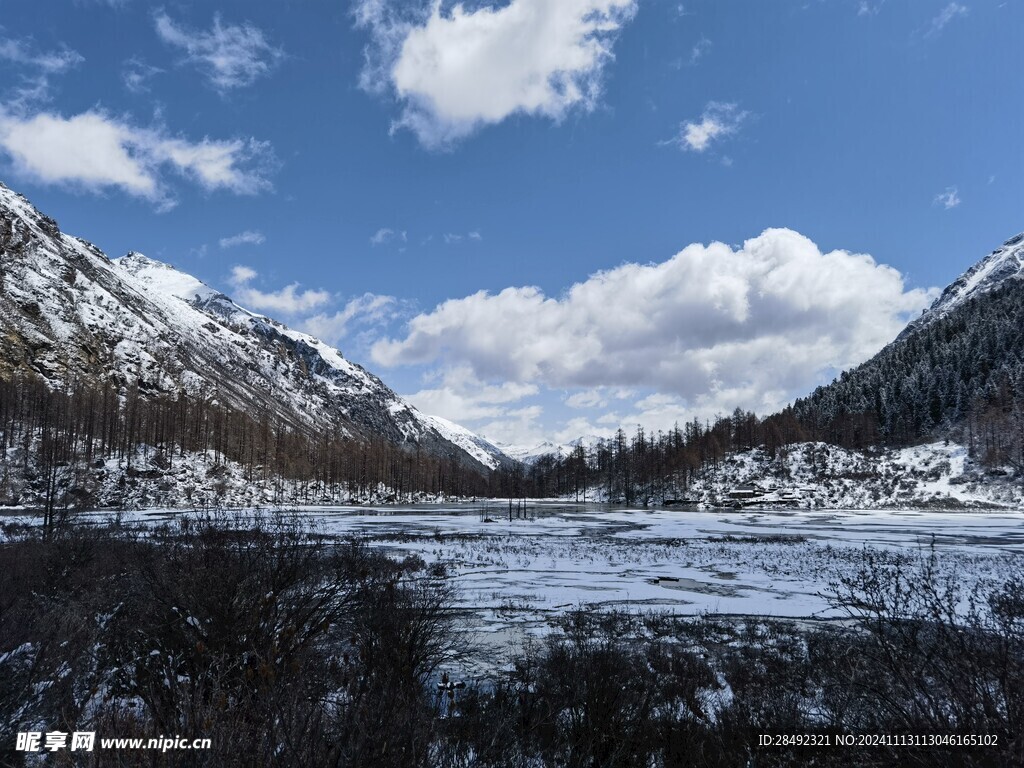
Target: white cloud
{"type": "Point", "coordinates": [241, 274]}
{"type": "Point", "coordinates": [458, 395]}
{"type": "Point", "coordinates": [451, 238]}
{"type": "Point", "coordinates": [516, 426]}
{"type": "Point", "coordinates": [51, 62]}
{"type": "Point", "coordinates": [384, 235]}
{"type": "Point", "coordinates": [588, 398]}
{"type": "Point", "coordinates": [699, 50]}
{"type": "Point", "coordinates": [455, 70]}
{"type": "Point", "coordinates": [95, 151]}
{"type": "Point", "coordinates": [37, 69]}
{"type": "Point", "coordinates": [713, 325]}
{"type": "Point", "coordinates": [231, 56]}
{"type": "Point", "coordinates": [950, 198]}
{"type": "Point", "coordinates": [137, 74]}
{"type": "Point", "coordinates": [717, 120]}
{"type": "Point", "coordinates": [249, 237]}
{"type": "Point", "coordinates": [366, 310]}
{"type": "Point", "coordinates": [945, 16]}
{"type": "Point", "coordinates": [289, 300]}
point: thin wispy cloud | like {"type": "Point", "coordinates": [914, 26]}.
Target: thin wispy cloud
{"type": "Point", "coordinates": [699, 50]}
{"type": "Point", "coordinates": [869, 8]}
{"type": "Point", "coordinates": [944, 17]}
{"type": "Point", "coordinates": [50, 62]}
{"type": "Point", "coordinates": [718, 120]}
{"type": "Point", "coordinates": [36, 68]}
{"type": "Point", "coordinates": [137, 74]}
{"type": "Point", "coordinates": [451, 238]}
{"type": "Point", "coordinates": [948, 198]}
{"type": "Point", "coordinates": [385, 235]}
{"type": "Point", "coordinates": [457, 69]}
{"type": "Point", "coordinates": [248, 237]}
{"type": "Point", "coordinates": [95, 151]}
{"type": "Point", "coordinates": [229, 55]}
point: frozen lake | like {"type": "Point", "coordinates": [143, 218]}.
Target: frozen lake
{"type": "Point", "coordinates": [515, 575]}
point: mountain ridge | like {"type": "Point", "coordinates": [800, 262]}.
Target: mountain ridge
{"type": "Point", "coordinates": [69, 312]}
{"type": "Point", "coordinates": [1004, 263]}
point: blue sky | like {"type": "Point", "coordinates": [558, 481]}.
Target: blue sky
{"type": "Point", "coordinates": [507, 210]}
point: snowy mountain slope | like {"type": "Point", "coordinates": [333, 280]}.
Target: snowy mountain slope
{"type": "Point", "coordinates": [480, 449]}
{"type": "Point", "coordinates": [67, 312]}
{"type": "Point", "coordinates": [1004, 263]}
{"type": "Point", "coordinates": [823, 476]}
{"type": "Point", "coordinates": [962, 359]}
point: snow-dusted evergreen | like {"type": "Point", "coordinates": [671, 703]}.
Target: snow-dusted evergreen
{"type": "Point", "coordinates": [954, 378]}
{"type": "Point", "coordinates": [1004, 264]}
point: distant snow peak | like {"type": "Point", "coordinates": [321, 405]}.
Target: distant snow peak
{"type": "Point", "coordinates": [530, 454]}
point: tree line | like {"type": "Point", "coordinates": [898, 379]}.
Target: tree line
{"type": "Point", "coordinates": [961, 376]}
{"type": "Point", "coordinates": [56, 437]}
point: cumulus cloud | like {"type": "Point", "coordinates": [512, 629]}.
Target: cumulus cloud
{"type": "Point", "coordinates": [288, 301]}
{"type": "Point", "coordinates": [459, 395]}
{"type": "Point", "coordinates": [95, 151]}
{"type": "Point", "coordinates": [949, 198]}
{"type": "Point", "coordinates": [717, 121]}
{"type": "Point", "coordinates": [712, 325]}
{"type": "Point", "coordinates": [231, 56]}
{"type": "Point", "coordinates": [455, 69]}
{"type": "Point", "coordinates": [944, 17]}
{"type": "Point", "coordinates": [249, 237]}
{"type": "Point", "coordinates": [367, 310]}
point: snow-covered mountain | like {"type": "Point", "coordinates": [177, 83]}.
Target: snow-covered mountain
{"type": "Point", "coordinates": [1003, 264]}
{"type": "Point", "coordinates": [67, 313]}
{"type": "Point", "coordinates": [958, 364]}
{"type": "Point", "coordinates": [529, 454]}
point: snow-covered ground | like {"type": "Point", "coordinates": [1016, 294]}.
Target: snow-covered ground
{"type": "Point", "coordinates": [514, 576]}
{"type": "Point", "coordinates": [818, 475]}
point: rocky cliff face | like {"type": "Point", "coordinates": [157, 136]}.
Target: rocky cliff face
{"type": "Point", "coordinates": [67, 313]}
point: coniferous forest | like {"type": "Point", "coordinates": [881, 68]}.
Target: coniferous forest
{"type": "Point", "coordinates": [960, 376]}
